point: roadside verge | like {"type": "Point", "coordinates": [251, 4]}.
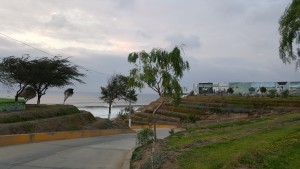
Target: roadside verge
{"type": "Point", "coordinates": [6, 140]}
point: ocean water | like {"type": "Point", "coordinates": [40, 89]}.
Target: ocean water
{"type": "Point", "coordinates": [89, 101]}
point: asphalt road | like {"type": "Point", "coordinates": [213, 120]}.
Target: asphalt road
{"type": "Point", "coordinates": [104, 152]}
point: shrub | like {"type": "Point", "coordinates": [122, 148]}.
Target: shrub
{"type": "Point", "coordinates": [272, 93]}
{"type": "Point", "coordinates": [251, 89]}
{"type": "Point", "coordinates": [230, 90]}
{"type": "Point", "coordinates": [158, 159]}
{"type": "Point", "coordinates": [122, 115]}
{"type": "Point", "coordinates": [263, 89]}
{"type": "Point", "coordinates": [145, 136]}
{"type": "Point", "coordinates": [192, 118]}
{"type": "Point", "coordinates": [136, 154]}
{"type": "Point", "coordinates": [285, 94]}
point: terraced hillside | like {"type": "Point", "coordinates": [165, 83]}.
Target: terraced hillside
{"type": "Point", "coordinates": [216, 108]}
{"type": "Point", "coordinates": [48, 118]}
{"type": "Point", "coordinates": [231, 132]}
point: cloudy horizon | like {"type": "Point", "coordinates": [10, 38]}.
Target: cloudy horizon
{"type": "Point", "coordinates": [233, 40]}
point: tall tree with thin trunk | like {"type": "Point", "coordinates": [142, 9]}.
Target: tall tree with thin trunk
{"type": "Point", "coordinates": [289, 30]}
{"type": "Point", "coordinates": [115, 90]}
{"type": "Point", "coordinates": [160, 70]}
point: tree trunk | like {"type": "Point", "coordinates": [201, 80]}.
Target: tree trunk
{"type": "Point", "coordinates": [39, 99]}
{"type": "Point", "coordinates": [16, 97]}
{"type": "Point", "coordinates": [154, 117]}
{"type": "Point", "coordinates": [109, 110]}
{"type": "Point", "coordinates": [154, 131]}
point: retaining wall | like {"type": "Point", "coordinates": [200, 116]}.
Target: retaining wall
{"type": "Point", "coordinates": [50, 136]}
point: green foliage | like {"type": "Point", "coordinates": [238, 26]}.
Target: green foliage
{"type": "Point", "coordinates": [289, 30]}
{"type": "Point", "coordinates": [251, 89]}
{"type": "Point", "coordinates": [230, 90]}
{"type": "Point", "coordinates": [215, 110]}
{"type": "Point", "coordinates": [117, 88]}
{"type": "Point", "coordinates": [285, 94]}
{"type": "Point", "coordinates": [263, 89]}
{"type": "Point", "coordinates": [145, 136]}
{"type": "Point", "coordinates": [16, 71]}
{"type": "Point", "coordinates": [40, 74]}
{"type": "Point", "coordinates": [272, 93]}
{"type": "Point", "coordinates": [136, 154]}
{"type": "Point", "coordinates": [41, 112]}
{"type": "Point", "coordinates": [52, 72]}
{"type": "Point", "coordinates": [268, 142]}
{"type": "Point", "coordinates": [123, 115]}
{"type": "Point", "coordinates": [157, 161]}
{"type": "Point", "coordinates": [68, 93]}
{"type": "Point", "coordinates": [171, 131]}
{"type": "Point", "coordinates": [192, 118]}
{"type": "Point", "coordinates": [160, 70]}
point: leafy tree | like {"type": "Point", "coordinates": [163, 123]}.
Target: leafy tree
{"type": "Point", "coordinates": [117, 88]}
{"type": "Point", "coordinates": [16, 71]}
{"type": "Point", "coordinates": [68, 93]}
{"type": "Point", "coordinates": [263, 89]}
{"type": "Point", "coordinates": [53, 72]}
{"type": "Point", "coordinates": [160, 70]}
{"type": "Point", "coordinates": [230, 90]}
{"type": "Point", "coordinates": [289, 30]}
{"type": "Point", "coordinates": [28, 93]}
{"type": "Point", "coordinates": [251, 89]}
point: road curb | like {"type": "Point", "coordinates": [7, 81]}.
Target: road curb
{"type": "Point", "coordinates": [6, 140]}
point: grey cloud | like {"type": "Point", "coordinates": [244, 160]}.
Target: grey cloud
{"type": "Point", "coordinates": [189, 42]}
{"type": "Point", "coordinates": [59, 20]}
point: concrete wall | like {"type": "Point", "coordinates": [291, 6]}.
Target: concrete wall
{"type": "Point", "coordinates": [38, 137]}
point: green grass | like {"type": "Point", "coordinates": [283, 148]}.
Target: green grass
{"type": "Point", "coordinates": [34, 112]}
{"type": "Point", "coordinates": [270, 142]}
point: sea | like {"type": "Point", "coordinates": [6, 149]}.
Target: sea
{"type": "Point", "coordinates": [89, 101]}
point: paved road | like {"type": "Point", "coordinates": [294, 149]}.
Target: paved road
{"type": "Point", "coordinates": [104, 152]}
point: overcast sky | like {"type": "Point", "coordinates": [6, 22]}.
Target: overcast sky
{"type": "Point", "coordinates": [225, 40]}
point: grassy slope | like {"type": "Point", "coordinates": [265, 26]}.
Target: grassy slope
{"type": "Point", "coordinates": [269, 142]}
{"type": "Point", "coordinates": [45, 118]}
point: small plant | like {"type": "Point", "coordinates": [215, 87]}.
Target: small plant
{"type": "Point", "coordinates": [192, 118]}
{"type": "Point", "coordinates": [145, 136]}
{"type": "Point", "coordinates": [158, 159]}
{"type": "Point", "coordinates": [215, 110]}
{"type": "Point", "coordinates": [171, 131]}
{"type": "Point", "coordinates": [192, 93]}
{"type": "Point", "coordinates": [272, 93]}
{"type": "Point", "coordinates": [136, 154]}
{"type": "Point", "coordinates": [285, 94]}
{"type": "Point", "coordinates": [122, 115]}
